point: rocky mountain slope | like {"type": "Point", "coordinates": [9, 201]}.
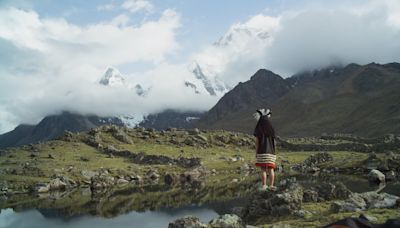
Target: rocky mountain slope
{"type": "Point", "coordinates": [170, 119]}
{"type": "Point", "coordinates": [52, 127]}
{"type": "Point", "coordinates": [355, 99]}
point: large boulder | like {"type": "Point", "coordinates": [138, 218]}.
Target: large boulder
{"type": "Point", "coordinates": [279, 203]}
{"type": "Point", "coordinates": [366, 200]}
{"type": "Point", "coordinates": [227, 221]}
{"type": "Point", "coordinates": [329, 191]}
{"type": "Point", "coordinates": [57, 184]}
{"type": "Point", "coordinates": [376, 176]}
{"type": "Point", "coordinates": [187, 222]}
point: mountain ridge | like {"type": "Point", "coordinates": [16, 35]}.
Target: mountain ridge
{"type": "Point", "coordinates": [329, 100]}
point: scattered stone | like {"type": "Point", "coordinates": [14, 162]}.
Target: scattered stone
{"type": "Point", "coordinates": [122, 181]}
{"type": "Point", "coordinates": [101, 181]}
{"type": "Point", "coordinates": [376, 176]}
{"type": "Point", "coordinates": [227, 221]}
{"type": "Point", "coordinates": [136, 179]}
{"type": "Point", "coordinates": [365, 200]}
{"type": "Point", "coordinates": [187, 222]}
{"type": "Point", "coordinates": [43, 189]}
{"type": "Point", "coordinates": [202, 138]}
{"type": "Point", "coordinates": [310, 196]}
{"type": "Point", "coordinates": [88, 174]}
{"type": "Point", "coordinates": [301, 213]}
{"type": "Point", "coordinates": [57, 184]}
{"type": "Point", "coordinates": [51, 156]}
{"type": "Point", "coordinates": [194, 131]}
{"type": "Point", "coordinates": [152, 175]}
{"type": "Point", "coordinates": [312, 162]}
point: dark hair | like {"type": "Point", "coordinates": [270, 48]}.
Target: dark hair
{"type": "Point", "coordinates": [264, 127]}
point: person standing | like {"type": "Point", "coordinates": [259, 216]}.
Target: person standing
{"type": "Point", "coordinates": [265, 148]}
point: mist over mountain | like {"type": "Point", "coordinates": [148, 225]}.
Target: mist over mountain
{"type": "Point", "coordinates": [57, 64]}
{"type": "Point", "coordinates": [355, 99]}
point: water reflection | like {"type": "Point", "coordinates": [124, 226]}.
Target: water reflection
{"type": "Point", "coordinates": [114, 202]}
{"type": "Point", "coordinates": [33, 218]}
{"type": "Point", "coordinates": [151, 206]}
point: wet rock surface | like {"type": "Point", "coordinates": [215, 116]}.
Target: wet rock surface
{"type": "Point", "coordinates": [366, 200]}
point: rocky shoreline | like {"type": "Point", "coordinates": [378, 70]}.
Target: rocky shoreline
{"type": "Point", "coordinates": [270, 206]}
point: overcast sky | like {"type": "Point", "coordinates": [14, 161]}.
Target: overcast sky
{"type": "Point", "coordinates": [53, 53]}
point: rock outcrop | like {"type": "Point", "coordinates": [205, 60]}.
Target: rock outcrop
{"type": "Point", "coordinates": [366, 200]}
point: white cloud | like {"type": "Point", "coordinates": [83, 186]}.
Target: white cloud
{"type": "Point", "coordinates": [49, 65]}
{"type": "Point", "coordinates": [310, 38]}
{"type": "Point", "coordinates": [137, 5]}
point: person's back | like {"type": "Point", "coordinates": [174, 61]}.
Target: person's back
{"type": "Point", "coordinates": [265, 148]}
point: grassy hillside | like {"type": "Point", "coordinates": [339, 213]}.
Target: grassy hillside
{"type": "Point", "coordinates": [361, 100]}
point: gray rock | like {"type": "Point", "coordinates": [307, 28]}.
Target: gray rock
{"type": "Point", "coordinates": [391, 175]}
{"type": "Point", "coordinates": [101, 181]}
{"type": "Point", "coordinates": [310, 196]}
{"type": "Point", "coordinates": [353, 204]}
{"type": "Point", "coordinates": [227, 221]}
{"type": "Point", "coordinates": [329, 191]}
{"type": "Point", "coordinates": [376, 176]}
{"type": "Point", "coordinates": [301, 213]}
{"type": "Point", "coordinates": [40, 188]}
{"type": "Point", "coordinates": [279, 203]}
{"type": "Point", "coordinates": [122, 181]}
{"type": "Point", "coordinates": [136, 179]}
{"type": "Point", "coordinates": [366, 200]}
{"type": "Point", "coordinates": [194, 131]}
{"type": "Point", "coordinates": [187, 222]}
{"type": "Point", "coordinates": [153, 175]}
{"type": "Point", "coordinates": [57, 184]}
{"type": "Point", "coordinates": [88, 174]}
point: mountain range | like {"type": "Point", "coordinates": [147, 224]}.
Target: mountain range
{"type": "Point", "coordinates": [356, 99]}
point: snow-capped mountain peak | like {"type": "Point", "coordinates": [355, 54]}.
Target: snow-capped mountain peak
{"type": "Point", "coordinates": [112, 77]}
{"type": "Point", "coordinates": [210, 83]}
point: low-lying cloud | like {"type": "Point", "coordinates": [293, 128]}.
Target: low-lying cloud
{"type": "Point", "coordinates": [49, 65]}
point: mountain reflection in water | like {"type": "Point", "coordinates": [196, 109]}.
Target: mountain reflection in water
{"type": "Point", "coordinates": [148, 206]}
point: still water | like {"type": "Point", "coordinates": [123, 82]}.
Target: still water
{"type": "Point", "coordinates": [35, 218]}
{"type": "Point", "coordinates": [141, 207]}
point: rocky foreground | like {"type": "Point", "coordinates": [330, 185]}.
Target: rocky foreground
{"type": "Point", "coordinates": [119, 165]}
{"type": "Point", "coordinates": [271, 207]}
